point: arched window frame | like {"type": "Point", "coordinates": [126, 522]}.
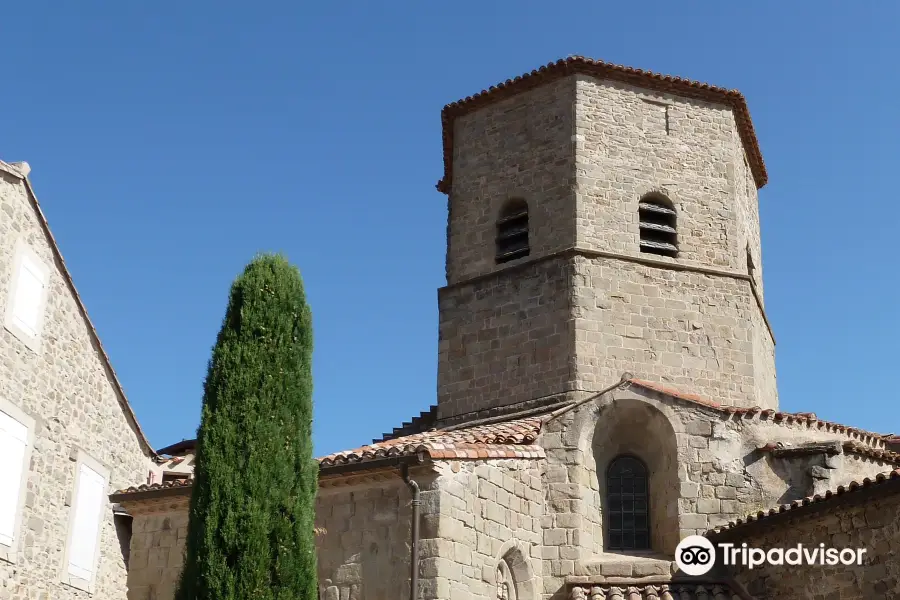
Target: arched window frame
{"type": "Point", "coordinates": [658, 224]}
{"type": "Point", "coordinates": [640, 536]}
{"type": "Point", "coordinates": [512, 236]}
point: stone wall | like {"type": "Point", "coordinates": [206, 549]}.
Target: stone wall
{"type": "Point", "coordinates": [518, 148]}
{"type": "Point", "coordinates": [748, 238]}
{"type": "Point", "coordinates": [845, 522]}
{"type": "Point", "coordinates": [583, 152]}
{"type": "Point", "coordinates": [363, 546]}
{"type": "Point", "coordinates": [491, 512]}
{"type": "Point", "coordinates": [506, 339]}
{"type": "Point", "coordinates": [157, 552]}
{"type": "Point", "coordinates": [690, 330]}
{"type": "Point", "coordinates": [705, 469]}
{"type": "Point", "coordinates": [765, 376]}
{"type": "Point", "coordinates": [65, 388]}
{"type": "Point", "coordinates": [632, 141]}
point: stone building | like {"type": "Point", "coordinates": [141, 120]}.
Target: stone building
{"type": "Point", "coordinates": [606, 380]}
{"type": "Point", "coordinates": [67, 433]}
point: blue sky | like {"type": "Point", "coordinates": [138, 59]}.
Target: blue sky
{"type": "Point", "coordinates": [169, 142]}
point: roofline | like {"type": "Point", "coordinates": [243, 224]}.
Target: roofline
{"type": "Point", "coordinates": [324, 470]}
{"type": "Point", "coordinates": [151, 494]}
{"type": "Point", "coordinates": [854, 492]}
{"type": "Point", "coordinates": [572, 65]}
{"type": "Point", "coordinates": [809, 419]}
{"type": "Point", "coordinates": [178, 447]}
{"type": "Point", "coordinates": [67, 276]}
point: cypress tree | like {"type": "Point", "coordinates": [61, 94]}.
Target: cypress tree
{"type": "Point", "coordinates": [252, 507]}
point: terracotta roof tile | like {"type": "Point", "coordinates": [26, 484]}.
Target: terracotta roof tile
{"type": "Point", "coordinates": [578, 64]}
{"type": "Point", "coordinates": [849, 447]}
{"type": "Point", "coordinates": [509, 439]}
{"type": "Point", "coordinates": [853, 447]}
{"type": "Point", "coordinates": [151, 487]}
{"type": "Point", "coordinates": [655, 591]}
{"type": "Point", "coordinates": [784, 418]}
{"type": "Point", "coordinates": [840, 491]}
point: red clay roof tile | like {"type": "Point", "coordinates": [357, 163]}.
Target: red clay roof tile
{"type": "Point", "coordinates": [175, 483]}
{"type": "Point", "coordinates": [509, 439]}
{"type": "Point", "coordinates": [782, 418]}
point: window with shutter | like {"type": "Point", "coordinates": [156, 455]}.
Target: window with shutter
{"type": "Point", "coordinates": [657, 221]}
{"type": "Point", "coordinates": [29, 296]}
{"type": "Point", "coordinates": [89, 503]}
{"type": "Point", "coordinates": [512, 231]}
{"type": "Point", "coordinates": [13, 446]}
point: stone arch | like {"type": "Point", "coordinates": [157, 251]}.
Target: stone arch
{"type": "Point", "coordinates": [667, 195]}
{"type": "Point", "coordinates": [658, 224]}
{"type": "Point", "coordinates": [514, 575]}
{"type": "Point", "coordinates": [634, 427]}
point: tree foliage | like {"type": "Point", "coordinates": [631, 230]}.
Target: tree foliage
{"type": "Point", "coordinates": [255, 479]}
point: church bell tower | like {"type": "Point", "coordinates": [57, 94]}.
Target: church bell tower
{"type": "Point", "coordinates": [601, 220]}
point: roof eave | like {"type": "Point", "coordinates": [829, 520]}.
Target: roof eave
{"type": "Point", "coordinates": [92, 331]}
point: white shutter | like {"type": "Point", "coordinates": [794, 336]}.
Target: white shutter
{"type": "Point", "coordinates": [13, 441]}
{"type": "Point", "coordinates": [29, 296]}
{"type": "Point", "coordinates": [89, 503]}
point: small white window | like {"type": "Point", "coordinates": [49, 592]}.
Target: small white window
{"type": "Point", "coordinates": [16, 439]}
{"type": "Point", "coordinates": [27, 297]}
{"type": "Point", "coordinates": [86, 516]}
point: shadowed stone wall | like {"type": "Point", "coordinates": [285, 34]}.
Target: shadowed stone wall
{"type": "Point", "coordinates": [159, 534]}
{"type": "Point", "coordinates": [364, 542]}
{"type": "Point", "coordinates": [845, 523]}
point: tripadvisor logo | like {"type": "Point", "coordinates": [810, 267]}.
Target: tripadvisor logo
{"type": "Point", "coordinates": [696, 555]}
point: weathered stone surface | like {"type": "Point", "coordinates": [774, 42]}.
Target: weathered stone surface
{"type": "Point", "coordinates": [363, 546]}
{"type": "Point", "coordinates": [582, 153]}
{"type": "Point", "coordinates": [873, 526]}
{"type": "Point", "coordinates": [153, 572]}
{"type": "Point", "coordinates": [64, 386]}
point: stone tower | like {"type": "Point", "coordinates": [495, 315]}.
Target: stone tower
{"type": "Point", "coordinates": [601, 220]}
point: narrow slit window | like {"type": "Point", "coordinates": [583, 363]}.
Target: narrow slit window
{"type": "Point", "coordinates": [658, 226]}
{"type": "Point", "coordinates": [512, 232]}
{"type": "Point", "coordinates": [751, 268]}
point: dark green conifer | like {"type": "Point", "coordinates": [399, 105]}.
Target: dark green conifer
{"type": "Point", "coordinates": [253, 501]}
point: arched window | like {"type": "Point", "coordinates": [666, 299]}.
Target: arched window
{"type": "Point", "coordinates": [658, 226]}
{"type": "Point", "coordinates": [506, 583]}
{"type": "Point", "coordinates": [627, 506]}
{"type": "Point", "coordinates": [515, 579]}
{"type": "Point", "coordinates": [512, 231]}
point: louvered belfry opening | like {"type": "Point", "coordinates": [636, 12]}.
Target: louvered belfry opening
{"type": "Point", "coordinates": [627, 506]}
{"type": "Point", "coordinates": [512, 231]}
{"type": "Point", "coordinates": [658, 226]}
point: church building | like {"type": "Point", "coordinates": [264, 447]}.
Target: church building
{"type": "Point", "coordinates": [606, 382]}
